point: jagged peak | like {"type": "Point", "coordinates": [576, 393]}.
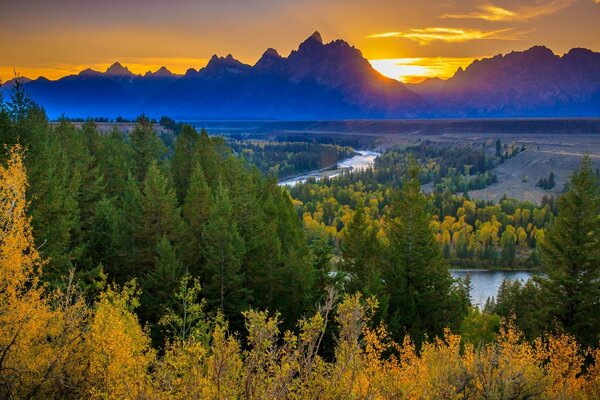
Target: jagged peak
{"type": "Point", "coordinates": [314, 39]}
{"type": "Point", "coordinates": [161, 72]}
{"type": "Point", "coordinates": [316, 36]}
{"type": "Point", "coordinates": [227, 60]}
{"type": "Point", "coordinates": [270, 52]}
{"type": "Point", "coordinates": [118, 69]}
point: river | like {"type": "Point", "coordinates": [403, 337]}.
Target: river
{"type": "Point", "coordinates": [364, 159]}
{"type": "Point", "coordinates": [485, 283]}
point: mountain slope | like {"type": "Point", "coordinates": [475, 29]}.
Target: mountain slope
{"type": "Point", "coordinates": [535, 82]}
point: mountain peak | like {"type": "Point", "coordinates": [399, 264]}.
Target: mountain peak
{"type": "Point", "coordinates": [539, 50]}
{"type": "Point", "coordinates": [316, 36]}
{"type": "Point", "coordinates": [89, 72]}
{"type": "Point", "coordinates": [162, 72]}
{"type": "Point", "coordinates": [314, 40]}
{"type": "Point", "coordinates": [118, 70]}
{"type": "Point", "coordinates": [270, 61]}
{"type": "Point", "coordinates": [228, 60]}
{"type": "Point", "coordinates": [271, 52]}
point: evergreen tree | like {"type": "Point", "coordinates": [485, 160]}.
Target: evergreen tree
{"type": "Point", "coordinates": [418, 284]}
{"type": "Point", "coordinates": [129, 228]}
{"type": "Point", "coordinates": [160, 216]}
{"type": "Point", "coordinates": [223, 275]}
{"type": "Point", "coordinates": [294, 281]}
{"type": "Point", "coordinates": [360, 256]}
{"type": "Point", "coordinates": [146, 147]}
{"type": "Point", "coordinates": [263, 260]}
{"type": "Point", "coordinates": [115, 162]}
{"type": "Point", "coordinates": [183, 158]}
{"type": "Point", "coordinates": [322, 267]}
{"type": "Point", "coordinates": [55, 210]}
{"type": "Point", "coordinates": [104, 246]}
{"type": "Point", "coordinates": [159, 285]}
{"type": "Point", "coordinates": [209, 158]}
{"type": "Point", "coordinates": [196, 212]}
{"type": "Point", "coordinates": [570, 258]}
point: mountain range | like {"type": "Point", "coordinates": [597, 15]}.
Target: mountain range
{"type": "Point", "coordinates": [332, 81]}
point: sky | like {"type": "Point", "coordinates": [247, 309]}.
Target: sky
{"type": "Point", "coordinates": [407, 40]}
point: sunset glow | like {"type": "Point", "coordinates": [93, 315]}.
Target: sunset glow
{"type": "Point", "coordinates": [406, 39]}
{"type": "Point", "coordinates": [414, 70]}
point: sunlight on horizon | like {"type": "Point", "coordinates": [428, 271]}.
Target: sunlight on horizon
{"type": "Point", "coordinates": [417, 69]}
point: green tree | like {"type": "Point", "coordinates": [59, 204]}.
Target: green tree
{"type": "Point", "coordinates": [223, 274]}
{"type": "Point", "coordinates": [160, 216]}
{"type": "Point", "coordinates": [183, 159]}
{"type": "Point", "coordinates": [196, 212]}
{"type": "Point", "coordinates": [418, 284]}
{"type": "Point", "coordinates": [508, 242]}
{"type": "Point", "coordinates": [360, 256]}
{"type": "Point", "coordinates": [159, 286]}
{"type": "Point", "coordinates": [115, 162]}
{"type": "Point", "coordinates": [570, 258]}
{"type": "Point", "coordinates": [146, 147]}
{"type": "Point", "coordinates": [55, 210]}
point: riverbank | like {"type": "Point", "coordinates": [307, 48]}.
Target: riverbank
{"type": "Point", "coordinates": [363, 160]}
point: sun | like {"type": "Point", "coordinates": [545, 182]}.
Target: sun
{"type": "Point", "coordinates": [417, 69]}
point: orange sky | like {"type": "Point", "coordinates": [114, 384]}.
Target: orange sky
{"type": "Point", "coordinates": [406, 40]}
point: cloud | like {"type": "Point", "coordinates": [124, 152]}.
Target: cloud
{"type": "Point", "coordinates": [450, 35]}
{"type": "Point", "coordinates": [491, 12]}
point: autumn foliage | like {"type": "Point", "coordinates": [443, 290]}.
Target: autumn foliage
{"type": "Point", "coordinates": [54, 344]}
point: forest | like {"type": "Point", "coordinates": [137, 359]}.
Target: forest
{"type": "Point", "coordinates": [132, 269]}
{"type": "Point", "coordinates": [470, 232]}
{"type": "Point", "coordinates": [284, 159]}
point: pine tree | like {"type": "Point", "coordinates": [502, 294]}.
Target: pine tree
{"type": "Point", "coordinates": [223, 275]}
{"type": "Point", "coordinates": [182, 160]}
{"type": "Point", "coordinates": [322, 267]}
{"type": "Point", "coordinates": [196, 212]}
{"type": "Point", "coordinates": [418, 284]}
{"type": "Point", "coordinates": [160, 216]}
{"type": "Point", "coordinates": [294, 281]}
{"type": "Point", "coordinates": [159, 286]}
{"type": "Point", "coordinates": [360, 256]}
{"type": "Point", "coordinates": [146, 147]}
{"type": "Point", "coordinates": [55, 209]}
{"type": "Point", "coordinates": [115, 162]}
{"type": "Point", "coordinates": [128, 231]}
{"type": "Point", "coordinates": [104, 246]}
{"type": "Point", "coordinates": [209, 158]}
{"type": "Point", "coordinates": [570, 258]}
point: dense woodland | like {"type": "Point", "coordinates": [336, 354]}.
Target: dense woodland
{"type": "Point", "coordinates": [284, 159]}
{"type": "Point", "coordinates": [130, 271]}
{"type": "Point", "coordinates": [471, 233]}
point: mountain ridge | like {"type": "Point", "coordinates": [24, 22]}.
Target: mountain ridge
{"type": "Point", "coordinates": [333, 80]}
